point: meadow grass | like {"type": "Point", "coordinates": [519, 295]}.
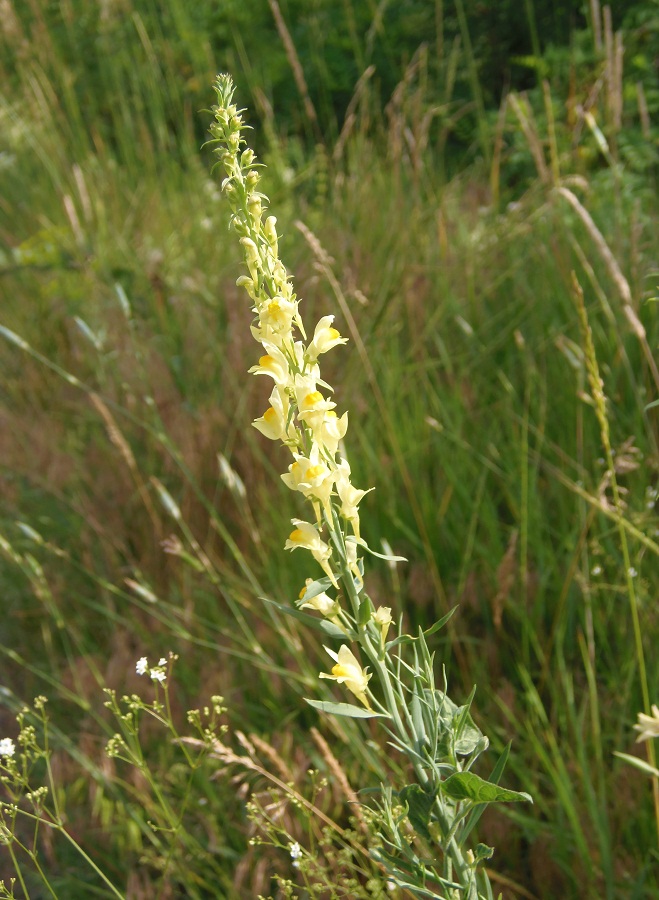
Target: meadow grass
{"type": "Point", "coordinates": [471, 411]}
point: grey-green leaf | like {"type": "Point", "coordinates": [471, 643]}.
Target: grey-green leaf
{"type": "Point", "coordinates": [344, 709]}
{"type": "Point", "coordinates": [328, 628]}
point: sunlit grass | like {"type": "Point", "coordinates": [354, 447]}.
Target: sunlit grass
{"type": "Point", "coordinates": [481, 439]}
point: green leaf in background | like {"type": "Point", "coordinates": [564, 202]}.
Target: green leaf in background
{"type": "Point", "coordinates": [468, 786]}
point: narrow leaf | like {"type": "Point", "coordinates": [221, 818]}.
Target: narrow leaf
{"type": "Point", "coordinates": [441, 623]}
{"type": "Point", "coordinates": [344, 709]}
{"type": "Point", "coordinates": [362, 543]}
{"type": "Point", "coordinates": [638, 763]}
{"type": "Point", "coordinates": [315, 588]}
{"type": "Point", "coordinates": [328, 628]}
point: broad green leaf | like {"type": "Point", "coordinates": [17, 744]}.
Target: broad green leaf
{"type": "Point", "coordinates": [365, 611]}
{"type": "Point", "coordinates": [468, 786]}
{"type": "Point", "coordinates": [494, 778]}
{"type": "Point", "coordinates": [419, 806]}
{"type": "Point", "coordinates": [328, 628]}
{"type": "Point", "coordinates": [344, 709]}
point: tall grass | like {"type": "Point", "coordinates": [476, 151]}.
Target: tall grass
{"type": "Point", "coordinates": [128, 380]}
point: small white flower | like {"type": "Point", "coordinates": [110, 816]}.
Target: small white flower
{"type": "Point", "coordinates": [158, 675]}
{"type": "Point", "coordinates": [142, 665]}
{"type": "Point", "coordinates": [596, 570]}
{"type": "Point", "coordinates": [631, 571]}
{"type": "Point", "coordinates": [162, 661]}
{"type": "Point", "coordinates": [7, 747]}
{"type": "Point", "coordinates": [295, 850]}
{"type": "Point", "coordinates": [648, 726]}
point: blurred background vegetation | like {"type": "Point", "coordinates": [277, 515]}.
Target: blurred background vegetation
{"type": "Point", "coordinates": [457, 161]}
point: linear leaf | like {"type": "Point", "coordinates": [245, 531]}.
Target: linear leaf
{"type": "Point", "coordinates": [344, 709]}
{"type": "Point", "coordinates": [328, 628]}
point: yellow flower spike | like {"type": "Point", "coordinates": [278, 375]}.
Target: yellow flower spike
{"type": "Point", "coordinates": [349, 672]}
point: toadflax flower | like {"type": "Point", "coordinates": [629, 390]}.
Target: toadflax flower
{"type": "Point", "coordinates": [306, 536]}
{"type": "Point", "coordinates": [321, 603]}
{"type": "Point", "coordinates": [382, 617]}
{"type": "Point", "coordinates": [348, 671]}
{"type": "Point", "coordinates": [648, 726]}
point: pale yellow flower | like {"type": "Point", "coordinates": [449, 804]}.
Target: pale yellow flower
{"type": "Point", "coordinates": [311, 404]}
{"type": "Point", "coordinates": [274, 364]}
{"type": "Point", "coordinates": [384, 619]}
{"type": "Point", "coordinates": [349, 672]}
{"type": "Point", "coordinates": [648, 726]}
{"type": "Point", "coordinates": [278, 314]}
{"type": "Point", "coordinates": [274, 423]}
{"type": "Point", "coordinates": [325, 337]}
{"type": "Point", "coordinates": [322, 603]}
{"type": "Point", "coordinates": [330, 431]}
{"type": "Point", "coordinates": [305, 536]}
{"type": "Point", "coordinates": [349, 495]}
{"type": "Point", "coordinates": [312, 477]}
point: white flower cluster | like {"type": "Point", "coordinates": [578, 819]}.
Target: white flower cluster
{"type": "Point", "coordinates": [156, 673]}
{"type": "Point", "coordinates": [300, 415]}
{"type": "Point", "coordinates": [7, 747]}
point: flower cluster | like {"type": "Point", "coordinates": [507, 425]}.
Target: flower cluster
{"type": "Point", "coordinates": [7, 747]}
{"type": "Point", "coordinates": [300, 414]}
{"type": "Point", "coordinates": [157, 673]}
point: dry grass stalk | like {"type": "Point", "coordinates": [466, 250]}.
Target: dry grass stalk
{"type": "Point", "coordinates": [296, 66]}
{"type": "Point", "coordinates": [120, 442]}
{"type": "Point", "coordinates": [603, 248]}
{"type": "Point", "coordinates": [505, 579]}
{"type": "Point", "coordinates": [525, 119]}
{"type": "Point", "coordinates": [351, 112]}
{"type": "Point", "coordinates": [269, 751]}
{"type": "Point", "coordinates": [643, 111]}
{"type": "Point", "coordinates": [227, 756]}
{"type": "Point", "coordinates": [596, 24]}
{"type": "Point", "coordinates": [619, 279]}
{"type": "Point", "coordinates": [341, 777]}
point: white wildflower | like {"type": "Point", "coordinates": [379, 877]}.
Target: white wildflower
{"type": "Point", "coordinates": [7, 747]}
